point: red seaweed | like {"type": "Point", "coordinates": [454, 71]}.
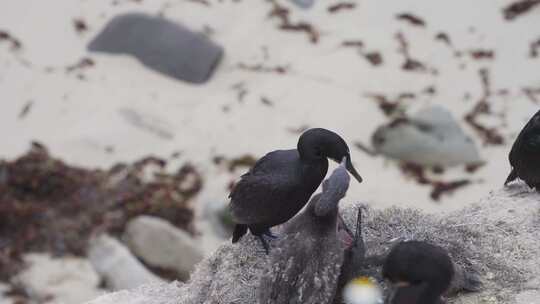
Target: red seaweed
{"type": "Point", "coordinates": [412, 19]}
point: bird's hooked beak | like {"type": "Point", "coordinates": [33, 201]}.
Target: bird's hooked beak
{"type": "Point", "coordinates": [351, 169]}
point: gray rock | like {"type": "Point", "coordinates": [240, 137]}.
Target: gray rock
{"type": "Point", "coordinates": [305, 4]}
{"type": "Point", "coordinates": [160, 244]}
{"type": "Point", "coordinates": [67, 280]}
{"type": "Point", "coordinates": [7, 300]}
{"type": "Point", "coordinates": [429, 138]}
{"type": "Point", "coordinates": [117, 266]}
{"type": "Point", "coordinates": [218, 215]}
{"type": "Point", "coordinates": [4, 299]}
{"type": "Point", "coordinates": [161, 45]}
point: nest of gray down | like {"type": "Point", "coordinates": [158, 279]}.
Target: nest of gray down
{"type": "Point", "coordinates": [476, 242]}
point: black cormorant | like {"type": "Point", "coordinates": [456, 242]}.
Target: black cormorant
{"type": "Point", "coordinates": [280, 184]}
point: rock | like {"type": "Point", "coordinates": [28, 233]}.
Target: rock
{"type": "Point", "coordinates": [305, 4]}
{"type": "Point", "coordinates": [66, 280]}
{"type": "Point", "coordinates": [505, 224]}
{"type": "Point", "coordinates": [4, 288]}
{"type": "Point", "coordinates": [429, 138]}
{"type": "Point", "coordinates": [160, 244]}
{"type": "Point", "coordinates": [219, 217]}
{"type": "Point", "coordinates": [161, 45]}
{"type": "Point", "coordinates": [117, 266]}
{"type": "Point", "coordinates": [7, 300]}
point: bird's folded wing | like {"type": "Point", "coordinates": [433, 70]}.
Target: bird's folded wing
{"type": "Point", "coordinates": [256, 198]}
{"type": "Point", "coordinates": [266, 165]}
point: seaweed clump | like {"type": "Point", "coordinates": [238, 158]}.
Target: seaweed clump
{"type": "Point", "coordinates": [47, 205]}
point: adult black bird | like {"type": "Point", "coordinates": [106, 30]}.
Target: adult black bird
{"type": "Point", "coordinates": [281, 183]}
{"type": "Point", "coordinates": [305, 264]}
{"type": "Point", "coordinates": [422, 272]}
{"type": "Point", "coordinates": [525, 154]}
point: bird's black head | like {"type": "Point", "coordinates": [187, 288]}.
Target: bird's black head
{"type": "Point", "coordinates": [318, 143]}
{"type": "Point", "coordinates": [418, 267]}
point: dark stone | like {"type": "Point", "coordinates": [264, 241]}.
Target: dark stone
{"type": "Point", "coordinates": [161, 45]}
{"type": "Point", "coordinates": [305, 4]}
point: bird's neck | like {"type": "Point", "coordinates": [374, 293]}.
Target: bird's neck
{"type": "Point", "coordinates": [314, 166]}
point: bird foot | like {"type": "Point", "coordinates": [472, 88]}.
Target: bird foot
{"type": "Point", "coordinates": [264, 243]}
{"type": "Point", "coordinates": [269, 234]}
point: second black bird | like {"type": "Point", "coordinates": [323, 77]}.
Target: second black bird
{"type": "Point", "coordinates": [525, 154]}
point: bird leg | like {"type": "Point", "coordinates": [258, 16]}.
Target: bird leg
{"type": "Point", "coordinates": [264, 243]}
{"type": "Point", "coordinates": [269, 234]}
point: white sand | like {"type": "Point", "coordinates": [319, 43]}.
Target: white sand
{"type": "Point", "coordinates": [78, 119]}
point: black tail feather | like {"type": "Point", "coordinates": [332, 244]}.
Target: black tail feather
{"type": "Point", "coordinates": [239, 231]}
{"type": "Point", "coordinates": [264, 243]}
{"type": "Point", "coordinates": [512, 176]}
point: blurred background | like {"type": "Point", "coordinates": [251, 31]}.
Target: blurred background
{"type": "Point", "coordinates": [134, 118]}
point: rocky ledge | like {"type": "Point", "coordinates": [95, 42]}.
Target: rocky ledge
{"type": "Point", "coordinates": [496, 237]}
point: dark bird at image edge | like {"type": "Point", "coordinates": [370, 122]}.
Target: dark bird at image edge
{"type": "Point", "coordinates": [524, 156]}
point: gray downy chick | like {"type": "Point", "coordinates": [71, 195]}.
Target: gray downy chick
{"type": "Point", "coordinates": [305, 264]}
